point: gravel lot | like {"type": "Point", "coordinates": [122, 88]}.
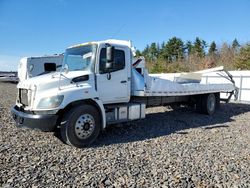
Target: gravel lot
{"type": "Point", "coordinates": [177, 148]}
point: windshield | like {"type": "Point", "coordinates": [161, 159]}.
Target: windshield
{"type": "Point", "coordinates": [80, 58]}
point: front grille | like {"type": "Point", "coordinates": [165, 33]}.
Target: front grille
{"type": "Point", "coordinates": [23, 97]}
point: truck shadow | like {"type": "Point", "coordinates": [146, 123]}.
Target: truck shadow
{"type": "Point", "coordinates": [174, 121]}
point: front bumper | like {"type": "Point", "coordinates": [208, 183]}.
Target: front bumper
{"type": "Point", "coordinates": [45, 122]}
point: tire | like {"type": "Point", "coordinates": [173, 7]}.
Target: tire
{"type": "Point", "coordinates": [80, 126]}
{"type": "Point", "coordinates": [209, 104]}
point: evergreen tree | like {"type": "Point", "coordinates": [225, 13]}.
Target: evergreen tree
{"type": "Point", "coordinates": [161, 48]}
{"type": "Point", "coordinates": [189, 47]}
{"type": "Point", "coordinates": [173, 50]}
{"type": "Point", "coordinates": [138, 53]}
{"type": "Point", "coordinates": [159, 51]}
{"type": "Point", "coordinates": [162, 45]}
{"type": "Point", "coordinates": [145, 52]}
{"type": "Point", "coordinates": [212, 50]}
{"type": "Point", "coordinates": [153, 51]}
{"type": "Point", "coordinates": [235, 44]}
{"type": "Point", "coordinates": [199, 47]}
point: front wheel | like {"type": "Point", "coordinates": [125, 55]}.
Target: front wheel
{"type": "Point", "coordinates": [80, 126]}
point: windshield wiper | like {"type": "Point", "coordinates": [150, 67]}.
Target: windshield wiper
{"type": "Point", "coordinates": [71, 81]}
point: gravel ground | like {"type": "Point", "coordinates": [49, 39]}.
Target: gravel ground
{"type": "Point", "coordinates": [177, 148]}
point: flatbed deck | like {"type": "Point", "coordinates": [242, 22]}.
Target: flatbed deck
{"type": "Point", "coordinates": [186, 89]}
{"type": "Point", "coordinates": [161, 85]}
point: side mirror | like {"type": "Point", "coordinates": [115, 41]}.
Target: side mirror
{"type": "Point", "coordinates": [110, 54]}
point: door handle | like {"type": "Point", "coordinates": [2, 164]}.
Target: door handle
{"type": "Point", "coordinates": [123, 81]}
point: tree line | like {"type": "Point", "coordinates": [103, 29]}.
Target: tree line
{"type": "Point", "coordinates": [178, 56]}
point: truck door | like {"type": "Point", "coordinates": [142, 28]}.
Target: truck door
{"type": "Point", "coordinates": [113, 86]}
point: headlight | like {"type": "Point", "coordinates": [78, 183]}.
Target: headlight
{"type": "Point", "coordinates": [50, 102]}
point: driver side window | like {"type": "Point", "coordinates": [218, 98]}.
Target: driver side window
{"type": "Point", "coordinates": [119, 61]}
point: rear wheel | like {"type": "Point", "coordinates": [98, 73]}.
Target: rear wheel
{"type": "Point", "coordinates": [210, 104]}
{"type": "Point", "coordinates": [80, 126]}
{"type": "Point", "coordinates": [207, 103]}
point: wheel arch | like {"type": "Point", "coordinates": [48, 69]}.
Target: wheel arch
{"type": "Point", "coordinates": [96, 103]}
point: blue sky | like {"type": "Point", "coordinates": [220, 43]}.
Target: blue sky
{"type": "Point", "coordinates": [39, 27]}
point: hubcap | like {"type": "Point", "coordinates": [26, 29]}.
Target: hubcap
{"type": "Point", "coordinates": [84, 126]}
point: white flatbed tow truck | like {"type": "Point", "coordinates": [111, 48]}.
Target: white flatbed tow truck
{"type": "Point", "coordinates": [101, 83]}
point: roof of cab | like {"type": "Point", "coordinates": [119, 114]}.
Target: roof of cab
{"type": "Point", "coordinates": [109, 41]}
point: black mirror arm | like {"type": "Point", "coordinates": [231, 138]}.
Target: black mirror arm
{"type": "Point", "coordinates": [109, 75]}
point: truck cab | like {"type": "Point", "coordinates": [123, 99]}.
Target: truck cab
{"type": "Point", "coordinates": [93, 75]}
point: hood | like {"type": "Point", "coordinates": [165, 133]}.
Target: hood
{"type": "Point", "coordinates": [51, 80]}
